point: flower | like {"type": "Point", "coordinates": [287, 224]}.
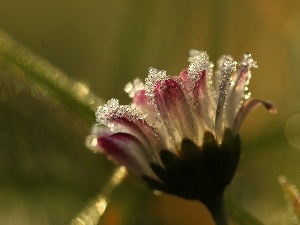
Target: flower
{"type": "Point", "coordinates": [180, 134]}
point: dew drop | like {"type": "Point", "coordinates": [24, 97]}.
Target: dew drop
{"type": "Point", "coordinates": [91, 143]}
{"type": "Point", "coordinates": [226, 67]}
{"type": "Point", "coordinates": [132, 87]}
{"type": "Point", "coordinates": [154, 76]}
{"type": "Point", "coordinates": [103, 112]}
{"type": "Point", "coordinates": [199, 61]}
{"type": "Point", "coordinates": [247, 61]}
{"type": "Point", "coordinates": [245, 74]}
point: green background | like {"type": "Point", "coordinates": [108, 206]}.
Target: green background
{"type": "Point", "coordinates": [47, 175]}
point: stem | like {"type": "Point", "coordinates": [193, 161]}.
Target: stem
{"type": "Point", "coordinates": [92, 213]}
{"type": "Point", "coordinates": [73, 94]}
{"type": "Point", "coordinates": [238, 213]}
{"type": "Point", "coordinates": [215, 204]}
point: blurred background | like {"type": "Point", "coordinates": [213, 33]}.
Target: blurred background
{"type": "Point", "coordinates": [47, 175]}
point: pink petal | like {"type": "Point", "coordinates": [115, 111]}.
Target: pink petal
{"type": "Point", "coordinates": [141, 129]}
{"type": "Point", "coordinates": [127, 150]}
{"type": "Point", "coordinates": [239, 88]}
{"type": "Point", "coordinates": [203, 102]}
{"type": "Point", "coordinates": [174, 109]}
{"type": "Point", "coordinates": [128, 120]}
{"type": "Point", "coordinates": [141, 102]}
{"type": "Point", "coordinates": [140, 99]}
{"type": "Point", "coordinates": [245, 109]}
{"type": "Point", "coordinates": [184, 75]}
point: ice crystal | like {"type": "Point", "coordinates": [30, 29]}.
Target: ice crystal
{"type": "Point", "coordinates": [154, 76]}
{"type": "Point", "coordinates": [132, 87]}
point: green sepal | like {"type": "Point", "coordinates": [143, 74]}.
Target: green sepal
{"type": "Point", "coordinates": [173, 164]}
{"type": "Point", "coordinates": [193, 158]}
{"type": "Point", "coordinates": [163, 174]}
{"type": "Point", "coordinates": [230, 155]}
{"type": "Point", "coordinates": [198, 172]}
{"type": "Point", "coordinates": [191, 154]}
{"type": "Point", "coordinates": [210, 150]}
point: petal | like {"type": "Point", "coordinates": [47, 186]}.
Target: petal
{"type": "Point", "coordinates": [140, 102]}
{"type": "Point", "coordinates": [174, 109]}
{"type": "Point", "coordinates": [128, 120]}
{"type": "Point", "coordinates": [239, 90]}
{"type": "Point", "coordinates": [147, 134]}
{"type": "Point", "coordinates": [128, 151]}
{"type": "Point", "coordinates": [187, 84]}
{"type": "Point", "coordinates": [140, 99]}
{"type": "Point", "coordinates": [227, 66]}
{"type": "Point", "coordinates": [200, 73]}
{"type": "Point", "coordinates": [91, 140]}
{"type": "Point", "coordinates": [154, 76]}
{"type": "Point", "coordinates": [245, 109]}
{"type": "Point", "coordinates": [204, 104]}
{"type": "Point", "coordinates": [198, 61]}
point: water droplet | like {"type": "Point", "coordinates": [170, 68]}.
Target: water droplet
{"type": "Point", "coordinates": [103, 112]}
{"type": "Point", "coordinates": [199, 61]}
{"type": "Point", "coordinates": [226, 67]}
{"type": "Point", "coordinates": [132, 87]}
{"type": "Point", "coordinates": [247, 61]}
{"type": "Point", "coordinates": [154, 76]}
{"type": "Point", "coordinates": [91, 143]}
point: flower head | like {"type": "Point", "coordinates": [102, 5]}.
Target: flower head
{"type": "Point", "coordinates": [180, 134]}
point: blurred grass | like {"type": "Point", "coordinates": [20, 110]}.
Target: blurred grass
{"type": "Point", "coordinates": [47, 175]}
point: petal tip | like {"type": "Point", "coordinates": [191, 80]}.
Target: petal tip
{"type": "Point", "coordinates": [273, 109]}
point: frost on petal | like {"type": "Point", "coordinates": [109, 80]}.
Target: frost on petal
{"type": "Point", "coordinates": [246, 108]}
{"type": "Point", "coordinates": [141, 102]}
{"type": "Point", "coordinates": [244, 75]}
{"type": "Point", "coordinates": [175, 110]}
{"type": "Point", "coordinates": [239, 90]}
{"type": "Point", "coordinates": [204, 104]}
{"type": "Point", "coordinates": [187, 85]}
{"type": "Point", "coordinates": [226, 67]}
{"type": "Point", "coordinates": [91, 140]}
{"type": "Point", "coordinates": [128, 151]}
{"type": "Point", "coordinates": [199, 73]}
{"type": "Point", "coordinates": [154, 76]}
{"type": "Point", "coordinates": [120, 118]}
{"type": "Point", "coordinates": [103, 112]}
{"type": "Point", "coordinates": [198, 61]}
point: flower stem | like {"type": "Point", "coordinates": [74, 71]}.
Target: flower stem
{"type": "Point", "coordinates": [238, 213]}
{"type": "Point", "coordinates": [215, 204]}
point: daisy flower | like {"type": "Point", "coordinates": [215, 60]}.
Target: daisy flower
{"type": "Point", "coordinates": [180, 134]}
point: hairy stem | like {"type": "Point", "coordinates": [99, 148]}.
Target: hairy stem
{"type": "Point", "coordinates": [45, 76]}
{"type": "Point", "coordinates": [92, 213]}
